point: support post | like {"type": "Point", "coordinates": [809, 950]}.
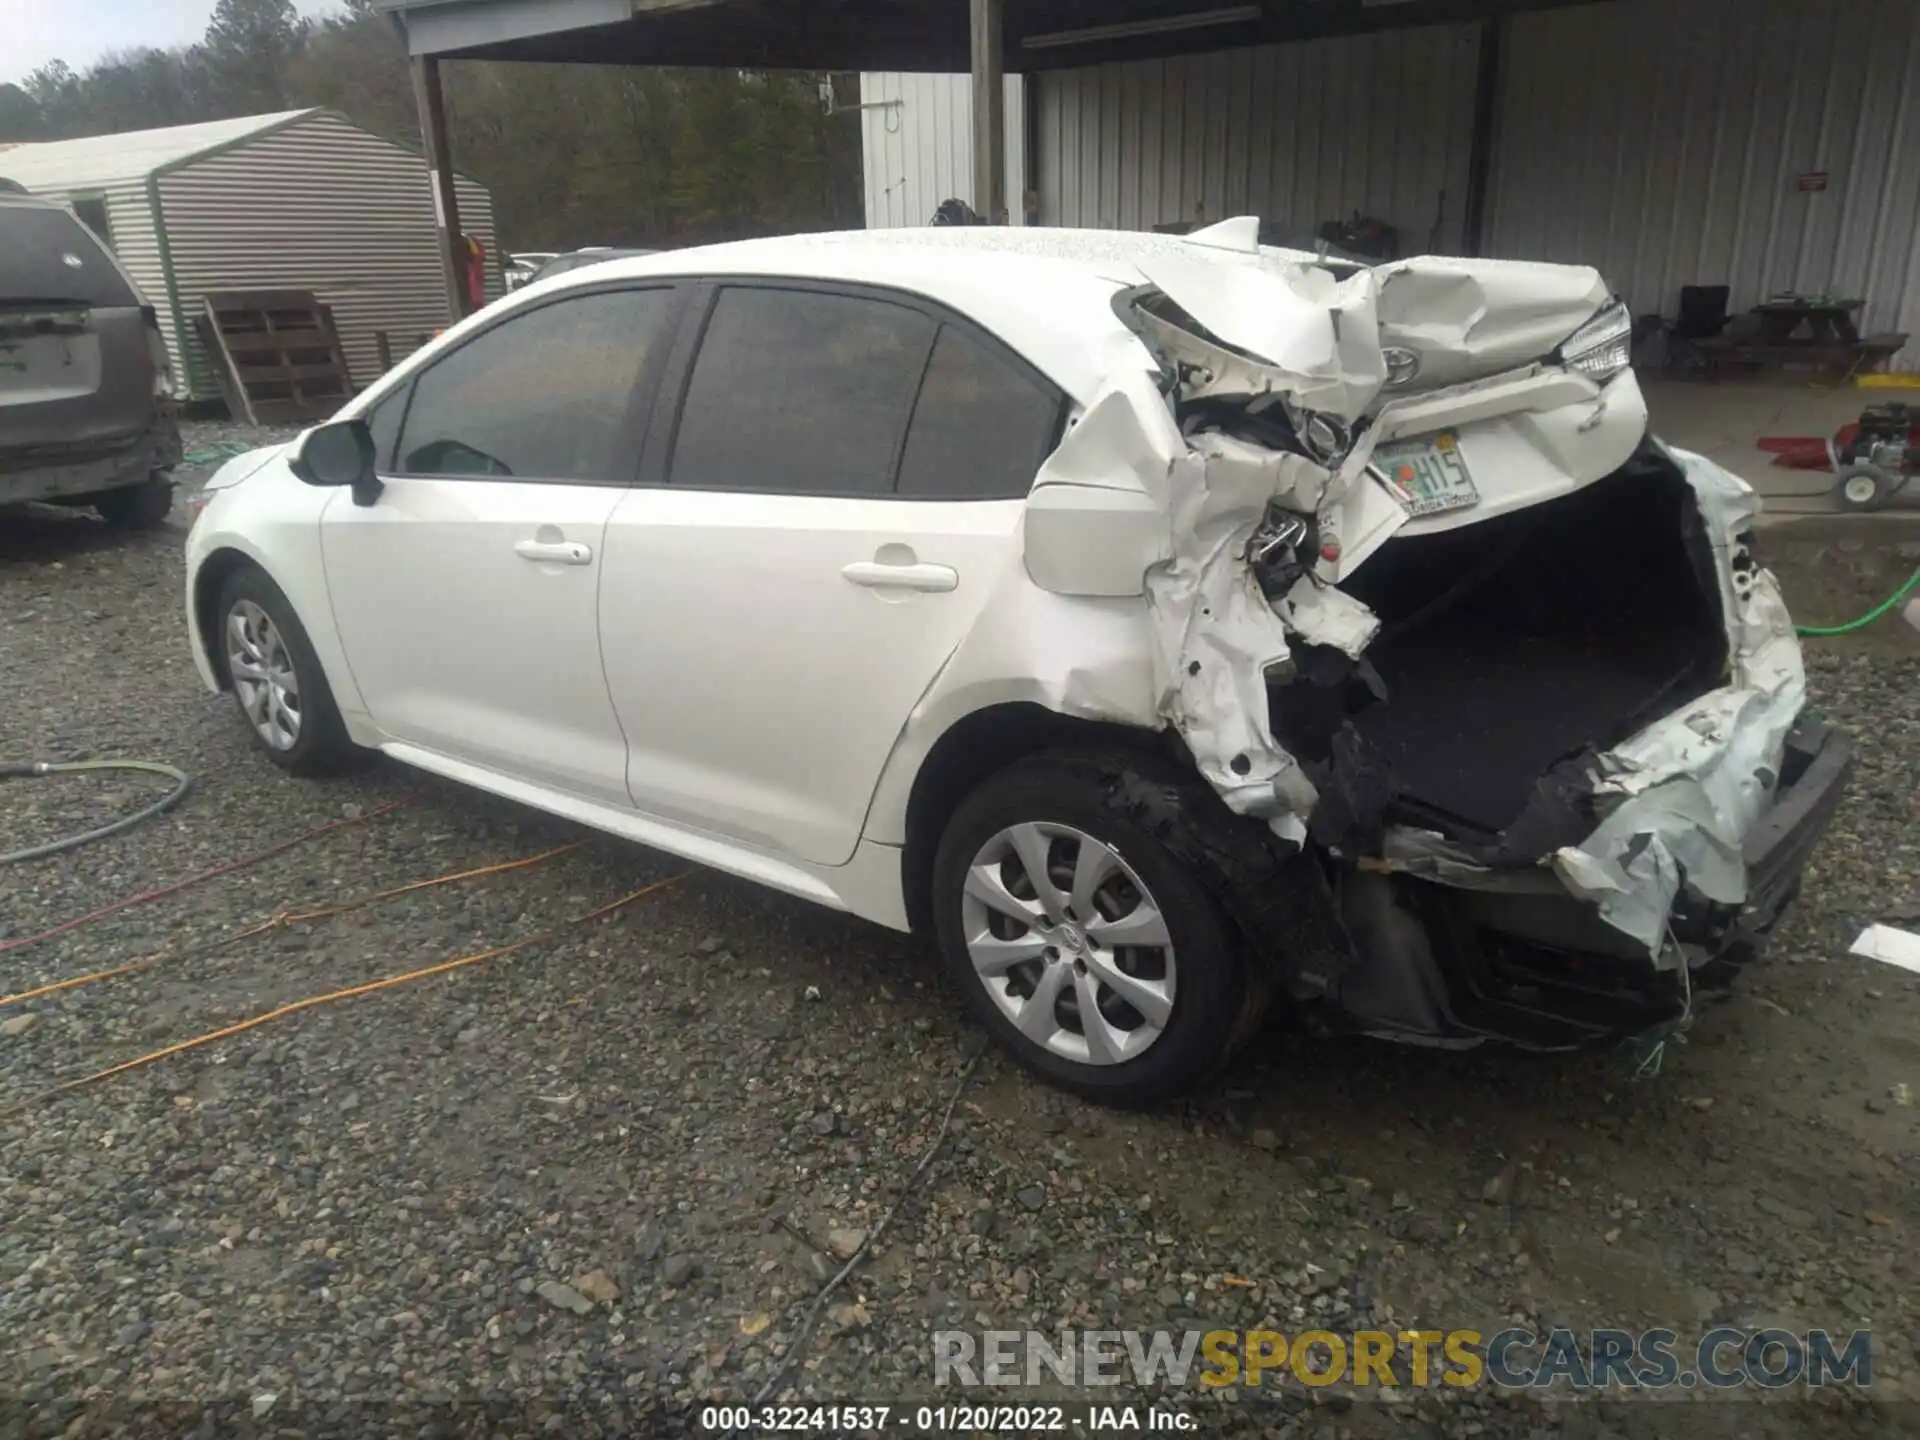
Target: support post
{"type": "Point", "coordinates": [446, 207]}
{"type": "Point", "coordinates": [1486, 106]}
{"type": "Point", "coordinates": [989, 112]}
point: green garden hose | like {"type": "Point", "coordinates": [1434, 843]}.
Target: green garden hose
{"type": "Point", "coordinates": [1867, 619]}
{"type": "Point", "coordinates": [216, 452]}
{"type": "Point", "coordinates": [181, 784]}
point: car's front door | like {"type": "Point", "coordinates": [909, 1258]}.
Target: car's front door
{"type": "Point", "coordinates": [465, 596]}
{"type": "Point", "coordinates": [815, 532]}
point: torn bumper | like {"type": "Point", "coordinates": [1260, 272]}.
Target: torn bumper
{"type": "Point", "coordinates": [1525, 962]}
{"type": "Point", "coordinates": [1814, 773]}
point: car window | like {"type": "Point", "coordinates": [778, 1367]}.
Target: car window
{"type": "Point", "coordinates": [542, 396]}
{"type": "Point", "coordinates": [981, 426]}
{"type": "Point", "coordinates": [800, 392]}
{"type": "Point", "coordinates": [47, 255]}
{"type": "Point", "coordinates": [383, 423]}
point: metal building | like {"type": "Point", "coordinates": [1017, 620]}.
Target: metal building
{"type": "Point", "coordinates": [302, 199]}
{"type": "Point", "coordinates": [1767, 145]}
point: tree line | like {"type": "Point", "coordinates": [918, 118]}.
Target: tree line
{"type": "Point", "coordinates": [573, 154]}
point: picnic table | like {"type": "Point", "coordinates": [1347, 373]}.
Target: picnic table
{"type": "Point", "coordinates": [1810, 330]}
{"type": "Point", "coordinates": [1815, 319]}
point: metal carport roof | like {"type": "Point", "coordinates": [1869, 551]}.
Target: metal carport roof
{"type": "Point", "coordinates": [986, 37]}
{"type": "Point", "coordinates": [889, 34]}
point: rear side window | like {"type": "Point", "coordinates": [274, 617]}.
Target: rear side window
{"type": "Point", "coordinates": [543, 396]}
{"type": "Point", "coordinates": [980, 428]}
{"type": "Point", "coordinates": [800, 392]}
{"type": "Point", "coordinates": [47, 256]}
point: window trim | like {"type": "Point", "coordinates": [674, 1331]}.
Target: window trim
{"type": "Point", "coordinates": [632, 426]}
{"type": "Point", "coordinates": [663, 433]}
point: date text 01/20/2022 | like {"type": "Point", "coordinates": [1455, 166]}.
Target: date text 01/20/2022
{"type": "Point", "coordinates": [906, 1419]}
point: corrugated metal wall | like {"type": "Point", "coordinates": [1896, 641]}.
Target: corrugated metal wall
{"type": "Point", "coordinates": [136, 240]}
{"type": "Point", "coordinates": [320, 205]}
{"type": "Point", "coordinates": [1661, 141]}
{"type": "Point", "coordinates": [1297, 133]}
{"type": "Point", "coordinates": [919, 151]}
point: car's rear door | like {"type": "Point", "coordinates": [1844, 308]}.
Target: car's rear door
{"type": "Point", "coordinates": [466, 595]}
{"type": "Point", "coordinates": [833, 488]}
{"type": "Point", "coordinates": [76, 362]}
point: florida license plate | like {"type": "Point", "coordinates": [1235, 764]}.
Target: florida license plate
{"type": "Point", "coordinates": [1429, 475]}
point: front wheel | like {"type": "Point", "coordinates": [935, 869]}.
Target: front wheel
{"type": "Point", "coordinates": [276, 679]}
{"type": "Point", "coordinates": [1084, 945]}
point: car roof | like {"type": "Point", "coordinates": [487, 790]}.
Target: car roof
{"type": "Point", "coordinates": [1047, 292]}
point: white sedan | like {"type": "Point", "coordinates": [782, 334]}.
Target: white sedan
{"type": "Point", "coordinates": [1165, 626]}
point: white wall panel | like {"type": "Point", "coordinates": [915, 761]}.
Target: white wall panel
{"type": "Point", "coordinates": [1661, 141]}
{"type": "Point", "coordinates": [919, 148]}
{"type": "Point", "coordinates": [1298, 133]}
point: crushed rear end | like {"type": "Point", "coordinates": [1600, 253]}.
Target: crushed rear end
{"type": "Point", "coordinates": [1431, 604]}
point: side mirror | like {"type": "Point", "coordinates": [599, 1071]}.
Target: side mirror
{"type": "Point", "coordinates": [341, 453]}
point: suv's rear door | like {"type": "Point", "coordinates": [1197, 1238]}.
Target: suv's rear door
{"type": "Point", "coordinates": [817, 528]}
{"type": "Point", "coordinates": [76, 365]}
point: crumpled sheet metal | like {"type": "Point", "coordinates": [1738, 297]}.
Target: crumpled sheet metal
{"type": "Point", "coordinates": [1466, 319]}
{"type": "Point", "coordinates": [1319, 334]}
{"type": "Point", "coordinates": [1215, 633]}
{"type": "Point", "coordinates": [1682, 796]}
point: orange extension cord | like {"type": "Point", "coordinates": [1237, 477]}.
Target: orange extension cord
{"type": "Point", "coordinates": [278, 920]}
{"type": "Point", "coordinates": [147, 896]}
{"type": "Point", "coordinates": [294, 1007]}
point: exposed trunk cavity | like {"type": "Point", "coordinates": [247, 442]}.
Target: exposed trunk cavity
{"type": "Point", "coordinates": [1512, 653]}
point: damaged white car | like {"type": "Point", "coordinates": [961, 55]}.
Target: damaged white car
{"type": "Point", "coordinates": [1168, 627]}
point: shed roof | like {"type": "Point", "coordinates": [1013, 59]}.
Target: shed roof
{"type": "Point", "coordinates": [927, 35]}
{"type": "Point", "coordinates": [132, 154]}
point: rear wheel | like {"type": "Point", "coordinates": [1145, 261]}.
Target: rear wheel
{"type": "Point", "coordinates": [1083, 944]}
{"type": "Point", "coordinates": [276, 679]}
{"type": "Point", "coordinates": [137, 507]}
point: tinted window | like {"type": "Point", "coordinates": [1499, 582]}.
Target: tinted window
{"type": "Point", "coordinates": [800, 392]}
{"type": "Point", "coordinates": [46, 254]}
{"type": "Point", "coordinates": [543, 396]}
{"type": "Point", "coordinates": [981, 426]}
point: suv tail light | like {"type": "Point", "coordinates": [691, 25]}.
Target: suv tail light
{"type": "Point", "coordinates": [157, 350]}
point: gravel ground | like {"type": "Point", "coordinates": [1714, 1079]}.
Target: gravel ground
{"type": "Point", "coordinates": [587, 1184]}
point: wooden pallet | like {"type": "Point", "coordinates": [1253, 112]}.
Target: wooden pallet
{"type": "Point", "coordinates": [277, 354]}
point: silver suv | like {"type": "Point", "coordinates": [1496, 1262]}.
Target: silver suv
{"type": "Point", "coordinates": [87, 412]}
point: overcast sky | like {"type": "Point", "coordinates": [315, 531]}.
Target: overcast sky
{"type": "Point", "coordinates": [79, 32]}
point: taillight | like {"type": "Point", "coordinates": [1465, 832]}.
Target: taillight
{"type": "Point", "coordinates": [1601, 348]}
{"type": "Point", "coordinates": [157, 352]}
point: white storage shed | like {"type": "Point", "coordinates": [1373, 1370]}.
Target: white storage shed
{"type": "Point", "coordinates": [302, 199]}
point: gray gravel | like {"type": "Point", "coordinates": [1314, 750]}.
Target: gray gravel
{"type": "Point", "coordinates": [589, 1184]}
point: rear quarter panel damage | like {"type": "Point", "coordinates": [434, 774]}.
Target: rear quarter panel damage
{"type": "Point", "coordinates": [1682, 796]}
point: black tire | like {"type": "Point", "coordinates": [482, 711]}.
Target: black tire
{"type": "Point", "coordinates": [1111, 798]}
{"type": "Point", "coordinates": [320, 746]}
{"type": "Point", "coordinates": [1862, 489]}
{"type": "Point", "coordinates": [137, 507]}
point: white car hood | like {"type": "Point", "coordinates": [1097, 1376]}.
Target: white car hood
{"type": "Point", "coordinates": [244, 465]}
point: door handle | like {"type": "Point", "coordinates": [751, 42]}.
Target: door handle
{"type": "Point", "coordinates": [873, 574]}
{"type": "Point", "coordinates": [555, 552]}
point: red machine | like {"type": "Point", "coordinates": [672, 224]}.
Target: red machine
{"type": "Point", "coordinates": [1874, 457]}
